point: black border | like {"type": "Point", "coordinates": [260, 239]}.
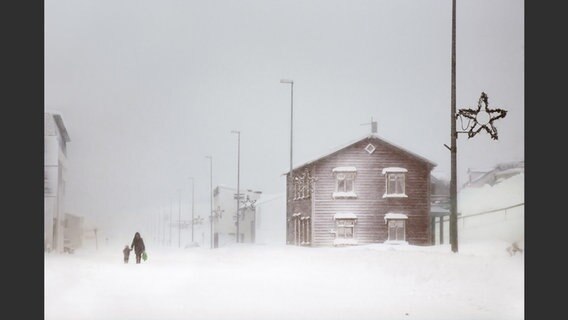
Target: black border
{"type": "Point", "coordinates": [23, 61]}
{"type": "Point", "coordinates": [23, 69]}
{"type": "Point", "coordinates": [545, 166]}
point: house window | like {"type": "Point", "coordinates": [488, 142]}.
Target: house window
{"type": "Point", "coordinates": [395, 182]}
{"type": "Point", "coordinates": [306, 228]}
{"type": "Point", "coordinates": [396, 224]}
{"type": "Point", "coordinates": [344, 182]}
{"type": "Point", "coordinates": [303, 185]}
{"type": "Point", "coordinates": [345, 228]}
{"type": "Point", "coordinates": [397, 230]}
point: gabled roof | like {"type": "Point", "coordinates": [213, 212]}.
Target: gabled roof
{"type": "Point", "coordinates": [367, 136]}
{"type": "Point", "coordinates": [60, 124]}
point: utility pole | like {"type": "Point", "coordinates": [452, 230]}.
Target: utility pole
{"type": "Point", "coordinates": [211, 203]}
{"type": "Point", "coordinates": [453, 149]}
{"type": "Point", "coordinates": [192, 206]}
{"type": "Point", "coordinates": [96, 240]}
{"type": "Point", "coordinates": [171, 211]}
{"type": "Point", "coordinates": [238, 180]}
{"type": "Point", "coordinates": [179, 219]}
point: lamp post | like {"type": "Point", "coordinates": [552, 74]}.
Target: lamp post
{"type": "Point", "coordinates": [290, 176]}
{"type": "Point", "coordinates": [211, 203]}
{"type": "Point", "coordinates": [291, 82]}
{"type": "Point", "coordinates": [238, 178]}
{"type": "Point", "coordinates": [171, 211]}
{"type": "Point", "coordinates": [192, 205]}
{"type": "Point", "coordinates": [179, 218]}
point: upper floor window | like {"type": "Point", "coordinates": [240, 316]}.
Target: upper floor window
{"type": "Point", "coordinates": [344, 182]}
{"type": "Point", "coordinates": [303, 185]}
{"type": "Point", "coordinates": [395, 182]}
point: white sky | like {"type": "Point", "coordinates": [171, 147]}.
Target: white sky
{"type": "Point", "coordinates": [148, 88]}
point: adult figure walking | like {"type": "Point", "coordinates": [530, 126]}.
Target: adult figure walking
{"type": "Point", "coordinates": [138, 246]}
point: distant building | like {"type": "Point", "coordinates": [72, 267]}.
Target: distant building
{"type": "Point", "coordinates": [502, 171]}
{"type": "Point", "coordinates": [74, 232]}
{"type": "Point", "coordinates": [55, 159]}
{"type": "Point", "coordinates": [368, 191]}
{"type": "Point", "coordinates": [225, 211]}
{"type": "Point", "coordinates": [439, 206]}
{"type": "Point", "coordinates": [271, 219]}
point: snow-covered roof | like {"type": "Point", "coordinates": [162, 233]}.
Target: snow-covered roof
{"type": "Point", "coordinates": [395, 216]}
{"type": "Point", "coordinates": [344, 215]}
{"type": "Point", "coordinates": [367, 136]}
{"type": "Point", "coordinates": [269, 197]}
{"type": "Point", "coordinates": [394, 169]}
{"type": "Point", "coordinates": [344, 169]}
{"type": "Point", "coordinates": [60, 124]}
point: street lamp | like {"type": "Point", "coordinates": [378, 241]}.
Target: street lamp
{"type": "Point", "coordinates": [211, 204]}
{"type": "Point", "coordinates": [192, 205]}
{"type": "Point", "coordinates": [238, 177]}
{"type": "Point", "coordinates": [171, 211]}
{"type": "Point", "coordinates": [179, 218]}
{"type": "Point", "coordinates": [291, 82]}
{"type": "Point", "coordinates": [290, 176]}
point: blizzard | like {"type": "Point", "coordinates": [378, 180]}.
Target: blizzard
{"type": "Point", "coordinates": [253, 281]}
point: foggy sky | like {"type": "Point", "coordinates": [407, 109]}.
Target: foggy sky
{"type": "Point", "coordinates": [147, 89]}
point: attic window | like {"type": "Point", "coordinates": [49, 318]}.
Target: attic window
{"type": "Point", "coordinates": [370, 148]}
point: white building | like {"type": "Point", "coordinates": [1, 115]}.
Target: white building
{"type": "Point", "coordinates": [271, 219]}
{"type": "Point", "coordinates": [225, 211]}
{"type": "Point", "coordinates": [55, 158]}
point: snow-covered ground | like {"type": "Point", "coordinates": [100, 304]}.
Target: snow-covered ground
{"type": "Point", "coordinates": [285, 282]}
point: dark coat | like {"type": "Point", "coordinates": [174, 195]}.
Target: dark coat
{"type": "Point", "coordinates": [138, 244]}
{"type": "Point", "coordinates": [126, 252]}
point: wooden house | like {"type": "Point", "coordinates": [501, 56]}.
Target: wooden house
{"type": "Point", "coordinates": [368, 191]}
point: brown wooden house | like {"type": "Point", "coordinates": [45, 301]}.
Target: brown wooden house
{"type": "Point", "coordinates": [369, 191]}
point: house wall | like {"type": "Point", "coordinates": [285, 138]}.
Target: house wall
{"type": "Point", "coordinates": [370, 206]}
{"type": "Point", "coordinates": [73, 231]}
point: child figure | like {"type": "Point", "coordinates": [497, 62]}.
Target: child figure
{"type": "Point", "coordinates": [126, 252]}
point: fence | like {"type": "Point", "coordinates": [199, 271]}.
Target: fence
{"type": "Point", "coordinates": [505, 224]}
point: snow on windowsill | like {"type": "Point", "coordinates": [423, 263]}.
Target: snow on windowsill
{"type": "Point", "coordinates": [344, 215]}
{"type": "Point", "coordinates": [397, 216]}
{"type": "Point", "coordinates": [344, 169]}
{"type": "Point", "coordinates": [395, 195]}
{"type": "Point", "coordinates": [348, 195]}
{"type": "Point", "coordinates": [394, 170]}
{"type": "Point", "coordinates": [341, 241]}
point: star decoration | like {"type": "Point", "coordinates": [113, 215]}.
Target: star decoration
{"type": "Point", "coordinates": [493, 115]}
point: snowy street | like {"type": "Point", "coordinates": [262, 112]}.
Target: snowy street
{"type": "Point", "coordinates": [287, 282]}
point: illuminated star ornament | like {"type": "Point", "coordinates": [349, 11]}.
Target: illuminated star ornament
{"type": "Point", "coordinates": [482, 119]}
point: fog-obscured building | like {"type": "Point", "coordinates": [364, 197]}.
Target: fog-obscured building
{"type": "Point", "coordinates": [56, 138]}
{"type": "Point", "coordinates": [225, 211]}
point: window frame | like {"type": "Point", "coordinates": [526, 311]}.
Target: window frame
{"type": "Point", "coordinates": [397, 177]}
{"type": "Point", "coordinates": [344, 176]}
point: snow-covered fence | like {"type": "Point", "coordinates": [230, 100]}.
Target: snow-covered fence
{"type": "Point", "coordinates": [505, 224]}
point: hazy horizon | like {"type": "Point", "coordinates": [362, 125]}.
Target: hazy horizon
{"type": "Point", "coordinates": [148, 89]}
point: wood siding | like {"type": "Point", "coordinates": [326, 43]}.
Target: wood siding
{"type": "Point", "coordinates": [369, 206]}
